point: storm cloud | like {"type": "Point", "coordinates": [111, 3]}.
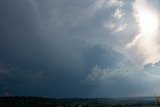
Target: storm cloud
{"type": "Point", "coordinates": [59, 48]}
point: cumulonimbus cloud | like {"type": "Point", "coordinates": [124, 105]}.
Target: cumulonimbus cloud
{"type": "Point", "coordinates": [145, 44]}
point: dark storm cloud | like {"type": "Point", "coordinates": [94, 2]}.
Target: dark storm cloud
{"type": "Point", "coordinates": [12, 80]}
{"type": "Point", "coordinates": [61, 48]}
{"type": "Point", "coordinates": [57, 37]}
{"type": "Point", "coordinates": [21, 40]}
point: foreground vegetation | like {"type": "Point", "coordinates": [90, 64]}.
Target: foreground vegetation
{"type": "Point", "coordinates": [76, 102]}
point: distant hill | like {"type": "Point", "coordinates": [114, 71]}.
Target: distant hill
{"type": "Point", "coordinates": [15, 101]}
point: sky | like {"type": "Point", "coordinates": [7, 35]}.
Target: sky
{"type": "Point", "coordinates": [79, 48]}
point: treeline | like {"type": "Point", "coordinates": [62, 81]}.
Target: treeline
{"type": "Point", "coordinates": [17, 101]}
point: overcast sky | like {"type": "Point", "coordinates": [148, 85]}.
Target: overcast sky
{"type": "Point", "coordinates": [79, 48]}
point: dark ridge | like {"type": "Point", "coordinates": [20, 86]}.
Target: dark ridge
{"type": "Point", "coordinates": [31, 101]}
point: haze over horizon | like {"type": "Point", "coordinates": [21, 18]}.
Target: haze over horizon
{"type": "Point", "coordinates": [80, 48]}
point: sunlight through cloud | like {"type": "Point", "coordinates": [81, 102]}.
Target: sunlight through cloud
{"type": "Point", "coordinates": [145, 42]}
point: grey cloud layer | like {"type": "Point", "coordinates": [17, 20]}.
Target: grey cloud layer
{"type": "Point", "coordinates": [65, 45]}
